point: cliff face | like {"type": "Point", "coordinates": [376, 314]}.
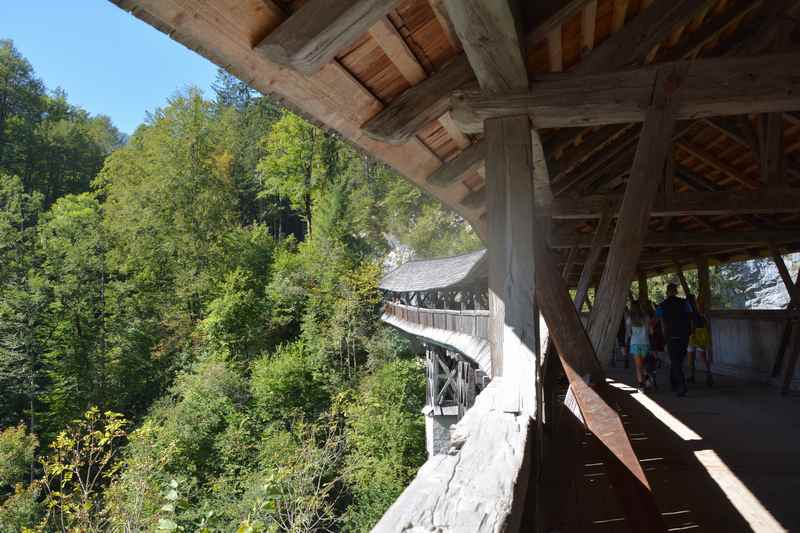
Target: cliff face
{"type": "Point", "coordinates": [755, 284]}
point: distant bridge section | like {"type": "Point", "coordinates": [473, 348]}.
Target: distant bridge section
{"type": "Point", "coordinates": [441, 304]}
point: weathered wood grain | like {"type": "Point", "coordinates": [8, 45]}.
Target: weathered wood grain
{"type": "Point", "coordinates": [791, 287]}
{"type": "Point", "coordinates": [635, 40]}
{"type": "Point", "coordinates": [508, 171]}
{"type": "Point", "coordinates": [488, 33]}
{"type": "Point", "coordinates": [569, 239]}
{"type": "Point", "coordinates": [398, 52]}
{"type": "Point", "coordinates": [590, 264]}
{"type": "Point", "coordinates": [710, 159]}
{"type": "Point", "coordinates": [772, 156]}
{"type": "Point", "coordinates": [440, 12]}
{"type": "Point", "coordinates": [316, 32]}
{"type": "Point", "coordinates": [626, 245]}
{"type": "Point", "coordinates": [476, 486]}
{"type": "Point", "coordinates": [684, 204]}
{"type": "Point", "coordinates": [696, 40]}
{"type": "Point", "coordinates": [465, 162]}
{"type": "Point", "coordinates": [543, 16]}
{"type": "Point", "coordinates": [589, 388]}
{"type": "Point", "coordinates": [421, 104]}
{"type": "Point", "coordinates": [711, 87]}
{"type": "Point", "coordinates": [588, 26]}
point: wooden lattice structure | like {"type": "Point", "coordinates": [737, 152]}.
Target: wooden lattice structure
{"type": "Point", "coordinates": [624, 136]}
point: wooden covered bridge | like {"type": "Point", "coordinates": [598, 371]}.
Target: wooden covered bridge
{"type": "Point", "coordinates": [589, 143]}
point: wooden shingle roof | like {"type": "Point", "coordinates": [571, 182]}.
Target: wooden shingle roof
{"type": "Point", "coordinates": [444, 273]}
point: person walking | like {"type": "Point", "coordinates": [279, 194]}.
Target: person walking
{"type": "Point", "coordinates": [640, 343]}
{"type": "Point", "coordinates": [700, 342]}
{"type": "Point", "coordinates": [676, 323]}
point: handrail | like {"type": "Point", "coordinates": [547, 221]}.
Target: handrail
{"type": "Point", "coordinates": [468, 321]}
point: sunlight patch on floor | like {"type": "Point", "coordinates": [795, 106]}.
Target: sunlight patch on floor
{"type": "Point", "coordinates": [680, 429]}
{"type": "Point", "coordinates": [737, 492]}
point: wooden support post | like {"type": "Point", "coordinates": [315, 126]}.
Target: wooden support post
{"type": "Point", "coordinates": [571, 255]}
{"type": "Point", "coordinates": [786, 337]}
{"type": "Point", "coordinates": [791, 287]}
{"type": "Point", "coordinates": [794, 355]}
{"type": "Point", "coordinates": [682, 280]}
{"type": "Point", "coordinates": [772, 157]}
{"type": "Point", "coordinates": [626, 245]}
{"type": "Point", "coordinates": [508, 173]}
{"type": "Point", "coordinates": [704, 281]}
{"type": "Point", "coordinates": [790, 343]}
{"type": "Point", "coordinates": [591, 260]}
{"type": "Point", "coordinates": [644, 295]}
{"type": "Point", "coordinates": [580, 362]}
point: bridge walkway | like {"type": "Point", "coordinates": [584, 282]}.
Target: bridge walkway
{"type": "Point", "coordinates": [719, 460]}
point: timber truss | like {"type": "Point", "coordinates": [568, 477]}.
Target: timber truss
{"type": "Point", "coordinates": [643, 134]}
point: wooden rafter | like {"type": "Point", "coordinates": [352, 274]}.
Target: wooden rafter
{"type": "Point", "coordinates": [651, 27]}
{"type": "Point", "coordinates": [421, 104]}
{"type": "Point", "coordinates": [564, 239]}
{"type": "Point", "coordinates": [488, 33]}
{"type": "Point", "coordinates": [395, 48]}
{"type": "Point", "coordinates": [315, 33]}
{"type": "Point", "coordinates": [589, 266]}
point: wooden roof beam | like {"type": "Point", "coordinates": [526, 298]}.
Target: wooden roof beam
{"type": "Point", "coordinates": [711, 87]}
{"type": "Point", "coordinates": [466, 161]}
{"type": "Point", "coordinates": [488, 33]}
{"type": "Point", "coordinates": [440, 12]}
{"type": "Point", "coordinates": [695, 41]}
{"type": "Point", "coordinates": [710, 159]}
{"type": "Point", "coordinates": [684, 204]}
{"type": "Point", "coordinates": [633, 43]}
{"type": "Point", "coordinates": [398, 52]}
{"type": "Point", "coordinates": [315, 33]}
{"type": "Point", "coordinates": [565, 239]}
{"type": "Point", "coordinates": [422, 104]}
{"type": "Point", "coordinates": [544, 16]}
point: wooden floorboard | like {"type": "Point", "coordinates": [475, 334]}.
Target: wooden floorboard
{"type": "Point", "coordinates": [720, 459]}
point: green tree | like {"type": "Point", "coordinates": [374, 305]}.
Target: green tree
{"type": "Point", "coordinates": [285, 387]}
{"type": "Point", "coordinates": [82, 459]}
{"type": "Point", "coordinates": [17, 454]}
{"type": "Point", "coordinates": [386, 440]}
{"type": "Point", "coordinates": [73, 247]}
{"type": "Point", "coordinates": [294, 166]}
{"type": "Point", "coordinates": [22, 302]}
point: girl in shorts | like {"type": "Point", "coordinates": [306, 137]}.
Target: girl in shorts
{"type": "Point", "coordinates": [640, 343]}
{"type": "Point", "coordinates": [699, 343]}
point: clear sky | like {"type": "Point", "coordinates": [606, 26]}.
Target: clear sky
{"type": "Point", "coordinates": [108, 61]}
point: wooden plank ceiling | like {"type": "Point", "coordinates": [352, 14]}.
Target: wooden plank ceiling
{"type": "Point", "coordinates": [382, 74]}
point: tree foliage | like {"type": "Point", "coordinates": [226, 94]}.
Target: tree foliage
{"type": "Point", "coordinates": [212, 279]}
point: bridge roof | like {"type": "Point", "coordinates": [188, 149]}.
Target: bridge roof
{"type": "Point", "coordinates": [443, 273]}
{"type": "Point", "coordinates": [384, 81]}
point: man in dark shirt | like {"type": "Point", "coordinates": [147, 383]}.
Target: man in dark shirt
{"type": "Point", "coordinates": [676, 321]}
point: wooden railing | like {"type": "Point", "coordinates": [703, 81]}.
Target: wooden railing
{"type": "Point", "coordinates": [470, 322]}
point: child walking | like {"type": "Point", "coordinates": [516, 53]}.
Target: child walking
{"type": "Point", "coordinates": [699, 343]}
{"type": "Point", "coordinates": [640, 344]}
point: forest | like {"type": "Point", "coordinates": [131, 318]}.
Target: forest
{"type": "Point", "coordinates": [189, 317]}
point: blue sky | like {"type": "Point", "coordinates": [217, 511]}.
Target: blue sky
{"type": "Point", "coordinates": [108, 61]}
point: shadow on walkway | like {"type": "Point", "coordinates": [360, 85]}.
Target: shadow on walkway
{"type": "Point", "coordinates": [719, 460]}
